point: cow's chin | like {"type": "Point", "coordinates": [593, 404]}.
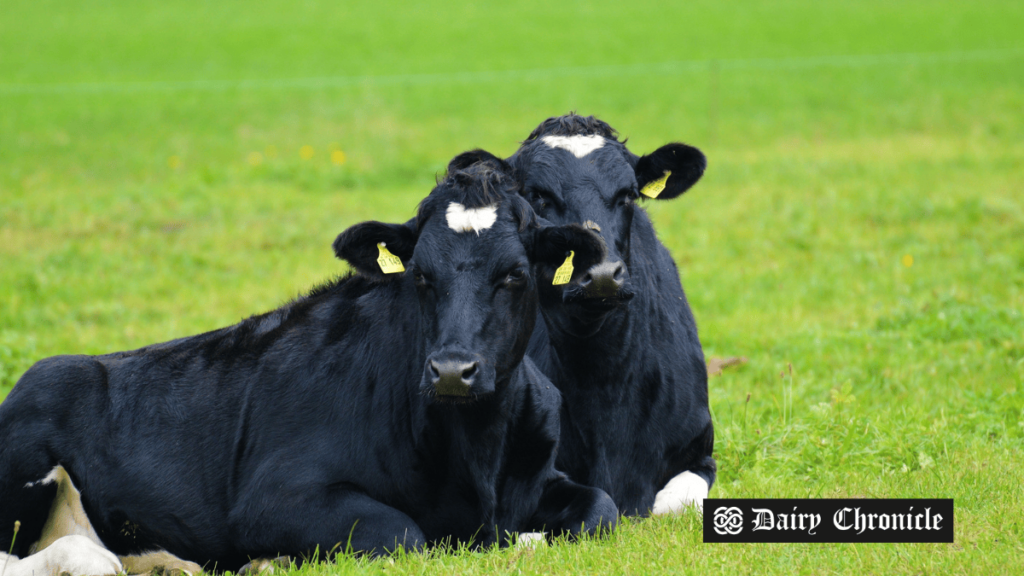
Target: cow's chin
{"type": "Point", "coordinates": [434, 398]}
{"type": "Point", "coordinates": [583, 303]}
{"type": "Point", "coordinates": [580, 320]}
{"type": "Point", "coordinates": [600, 306]}
{"type": "Point", "coordinates": [582, 316]}
{"type": "Point", "coordinates": [449, 400]}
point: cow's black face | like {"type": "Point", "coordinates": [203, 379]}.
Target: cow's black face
{"type": "Point", "coordinates": [594, 181]}
{"type": "Point", "coordinates": [472, 259]}
{"type": "Point", "coordinates": [477, 290]}
{"type": "Point", "coordinates": [476, 299]}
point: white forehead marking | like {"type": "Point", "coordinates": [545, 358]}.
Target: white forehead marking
{"type": "Point", "coordinates": [476, 220]}
{"type": "Point", "coordinates": [580, 146]}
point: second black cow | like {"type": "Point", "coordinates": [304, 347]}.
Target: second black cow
{"type": "Point", "coordinates": [620, 340]}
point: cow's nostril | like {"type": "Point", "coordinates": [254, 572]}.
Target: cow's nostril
{"type": "Point", "coordinates": [450, 377]}
{"type": "Point", "coordinates": [604, 280]}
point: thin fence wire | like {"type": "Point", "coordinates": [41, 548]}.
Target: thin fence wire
{"type": "Point", "coordinates": [479, 77]}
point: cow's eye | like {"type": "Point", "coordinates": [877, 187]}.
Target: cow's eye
{"type": "Point", "coordinates": [626, 196]}
{"type": "Point", "coordinates": [420, 279]}
{"type": "Point", "coordinates": [541, 200]}
{"type": "Point", "coordinates": [515, 277]}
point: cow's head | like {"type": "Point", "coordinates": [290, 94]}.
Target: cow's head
{"type": "Point", "coordinates": [471, 256]}
{"type": "Point", "coordinates": [574, 170]}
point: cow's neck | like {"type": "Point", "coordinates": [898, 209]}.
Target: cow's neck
{"type": "Point", "coordinates": [598, 362]}
{"type": "Point", "coordinates": [624, 364]}
{"type": "Point", "coordinates": [626, 350]}
{"type": "Point", "coordinates": [475, 435]}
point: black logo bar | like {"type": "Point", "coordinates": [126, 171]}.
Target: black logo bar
{"type": "Point", "coordinates": [839, 520]}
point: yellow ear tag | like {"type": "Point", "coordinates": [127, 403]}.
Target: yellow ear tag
{"type": "Point", "coordinates": [388, 262]}
{"type": "Point", "coordinates": [654, 187]}
{"type": "Point", "coordinates": [564, 272]}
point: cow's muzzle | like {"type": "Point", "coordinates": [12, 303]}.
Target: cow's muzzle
{"type": "Point", "coordinates": [605, 285]}
{"type": "Point", "coordinates": [452, 377]}
{"type": "Point", "coordinates": [604, 280]}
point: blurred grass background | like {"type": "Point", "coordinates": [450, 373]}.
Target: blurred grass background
{"type": "Point", "coordinates": [168, 168]}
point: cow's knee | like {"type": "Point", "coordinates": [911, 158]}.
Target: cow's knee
{"type": "Point", "coordinates": [572, 509]}
{"type": "Point", "coordinates": [380, 537]}
{"type": "Point", "coordinates": [329, 521]}
{"type": "Point", "coordinates": [601, 514]}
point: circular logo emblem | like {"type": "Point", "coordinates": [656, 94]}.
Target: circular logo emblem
{"type": "Point", "coordinates": [728, 520]}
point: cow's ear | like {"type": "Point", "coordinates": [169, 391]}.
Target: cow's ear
{"type": "Point", "coordinates": [683, 164]}
{"type": "Point", "coordinates": [467, 159]}
{"type": "Point", "coordinates": [550, 245]}
{"type": "Point", "coordinates": [360, 246]}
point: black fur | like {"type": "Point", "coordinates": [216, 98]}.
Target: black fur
{"type": "Point", "coordinates": [317, 425]}
{"type": "Point", "coordinates": [482, 158]}
{"type": "Point", "coordinates": [573, 124]}
{"type": "Point", "coordinates": [474, 179]}
{"type": "Point", "coordinates": [630, 365]}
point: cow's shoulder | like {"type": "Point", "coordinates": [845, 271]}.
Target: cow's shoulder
{"type": "Point", "coordinates": [544, 398]}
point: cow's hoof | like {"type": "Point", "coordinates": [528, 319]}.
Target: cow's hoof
{"type": "Point", "coordinates": [266, 566]}
{"type": "Point", "coordinates": [530, 540]}
{"type": "Point", "coordinates": [686, 491]}
{"type": "Point", "coordinates": [159, 564]}
{"type": "Point", "coordinates": [169, 571]}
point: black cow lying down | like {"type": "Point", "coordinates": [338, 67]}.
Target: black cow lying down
{"type": "Point", "coordinates": [620, 340]}
{"type": "Point", "coordinates": [381, 410]}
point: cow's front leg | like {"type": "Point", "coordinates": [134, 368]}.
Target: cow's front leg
{"type": "Point", "coordinates": [297, 520]}
{"type": "Point", "coordinates": [569, 508]}
{"type": "Point", "coordinates": [688, 489]}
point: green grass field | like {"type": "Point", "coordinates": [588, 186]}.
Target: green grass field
{"type": "Point", "coordinates": [861, 220]}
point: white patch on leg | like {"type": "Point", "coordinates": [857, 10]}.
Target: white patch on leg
{"type": "Point", "coordinates": [68, 519]}
{"type": "Point", "coordinates": [580, 146]}
{"type": "Point", "coordinates": [67, 516]}
{"type": "Point", "coordinates": [462, 219]}
{"type": "Point", "coordinates": [687, 490]}
{"type": "Point", "coordinates": [76, 555]}
{"type": "Point", "coordinates": [50, 478]}
{"type": "Point", "coordinates": [530, 540]}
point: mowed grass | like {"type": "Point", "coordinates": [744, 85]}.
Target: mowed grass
{"type": "Point", "coordinates": [859, 234]}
